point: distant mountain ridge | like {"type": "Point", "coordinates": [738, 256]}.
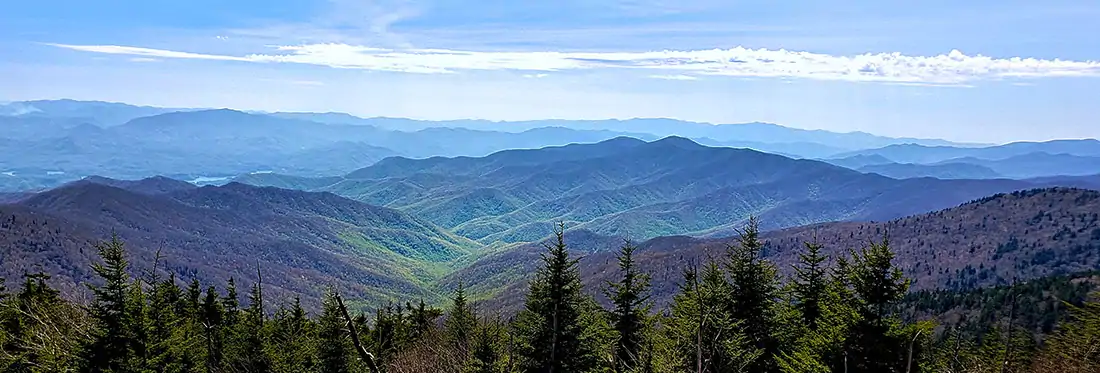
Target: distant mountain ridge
{"type": "Point", "coordinates": [626, 187]}
{"type": "Point", "coordinates": [947, 170]}
{"type": "Point", "coordinates": [916, 153]}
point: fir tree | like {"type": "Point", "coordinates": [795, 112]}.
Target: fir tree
{"type": "Point", "coordinates": [704, 334]}
{"type": "Point", "coordinates": [550, 321]}
{"type": "Point", "coordinates": [292, 346]}
{"type": "Point", "coordinates": [333, 345]}
{"type": "Point", "coordinates": [163, 320]}
{"type": "Point", "coordinates": [485, 347]}
{"type": "Point", "coordinates": [809, 284]}
{"type": "Point", "coordinates": [139, 331]}
{"type": "Point", "coordinates": [754, 291]}
{"type": "Point", "coordinates": [390, 333]}
{"type": "Point", "coordinates": [212, 319]}
{"type": "Point", "coordinates": [629, 296]}
{"type": "Point", "coordinates": [460, 323]}
{"type": "Point", "coordinates": [109, 347]}
{"type": "Point", "coordinates": [230, 304]}
{"type": "Point", "coordinates": [248, 340]}
{"type": "Point", "coordinates": [421, 319]}
{"type": "Point", "coordinates": [20, 321]}
{"type": "Point", "coordinates": [876, 341]}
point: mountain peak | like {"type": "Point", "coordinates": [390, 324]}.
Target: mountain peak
{"type": "Point", "coordinates": [151, 185]}
{"type": "Point", "coordinates": [678, 142]}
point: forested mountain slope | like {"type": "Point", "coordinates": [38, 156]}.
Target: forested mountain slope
{"type": "Point", "coordinates": [990, 241]}
{"type": "Point", "coordinates": [304, 241]}
{"type": "Point", "coordinates": [626, 187]}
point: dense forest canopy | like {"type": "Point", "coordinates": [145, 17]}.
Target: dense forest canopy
{"type": "Point", "coordinates": [732, 313]}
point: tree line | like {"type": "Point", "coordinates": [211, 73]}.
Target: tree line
{"type": "Point", "coordinates": [732, 313]}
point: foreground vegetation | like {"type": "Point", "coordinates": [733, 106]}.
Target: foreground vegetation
{"type": "Point", "coordinates": [732, 314]}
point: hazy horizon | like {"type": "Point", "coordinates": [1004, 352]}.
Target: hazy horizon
{"type": "Point", "coordinates": [984, 71]}
{"type": "Point", "coordinates": [259, 111]}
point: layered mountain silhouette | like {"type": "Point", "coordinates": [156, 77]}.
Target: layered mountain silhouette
{"type": "Point", "coordinates": [950, 170]}
{"type": "Point", "coordinates": [630, 188]}
{"type": "Point", "coordinates": [915, 153]}
{"type": "Point", "coordinates": [302, 241]}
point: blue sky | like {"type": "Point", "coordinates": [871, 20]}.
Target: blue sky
{"type": "Point", "coordinates": [987, 71]}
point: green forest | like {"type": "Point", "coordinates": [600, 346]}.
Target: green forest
{"type": "Point", "coordinates": [732, 313]}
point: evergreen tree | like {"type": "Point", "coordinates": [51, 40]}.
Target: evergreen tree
{"type": "Point", "coordinates": [809, 284]}
{"type": "Point", "coordinates": [212, 319]}
{"type": "Point", "coordinates": [248, 352]}
{"type": "Point", "coordinates": [230, 304]}
{"type": "Point", "coordinates": [333, 345]}
{"type": "Point", "coordinates": [163, 322]}
{"type": "Point", "coordinates": [390, 333]}
{"type": "Point", "coordinates": [754, 292]}
{"type": "Point", "coordinates": [460, 323]}
{"type": "Point", "coordinates": [629, 296]}
{"type": "Point", "coordinates": [421, 319]}
{"type": "Point", "coordinates": [292, 346]}
{"type": "Point", "coordinates": [138, 327]}
{"type": "Point", "coordinates": [550, 323]}
{"type": "Point", "coordinates": [109, 347]}
{"type": "Point", "coordinates": [485, 347]}
{"type": "Point", "coordinates": [876, 342]}
{"type": "Point", "coordinates": [704, 334]}
{"type": "Point", "coordinates": [28, 322]}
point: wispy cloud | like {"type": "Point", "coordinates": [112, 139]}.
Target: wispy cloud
{"type": "Point", "coordinates": [674, 77]}
{"type": "Point", "coordinates": [144, 59]}
{"type": "Point", "coordinates": [951, 68]}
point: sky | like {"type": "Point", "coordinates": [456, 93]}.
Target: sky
{"type": "Point", "coordinates": [976, 71]}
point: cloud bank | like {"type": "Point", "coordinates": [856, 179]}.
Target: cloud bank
{"type": "Point", "coordinates": [951, 68]}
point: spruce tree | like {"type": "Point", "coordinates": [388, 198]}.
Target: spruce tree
{"type": "Point", "coordinates": [550, 323]}
{"type": "Point", "coordinates": [704, 334]}
{"type": "Point", "coordinates": [629, 296]}
{"type": "Point", "coordinates": [212, 319]}
{"type": "Point", "coordinates": [876, 342]}
{"type": "Point", "coordinates": [248, 337]}
{"type": "Point", "coordinates": [230, 304]}
{"type": "Point", "coordinates": [139, 331]}
{"type": "Point", "coordinates": [754, 292]}
{"type": "Point", "coordinates": [108, 350]}
{"type": "Point", "coordinates": [421, 319]}
{"type": "Point", "coordinates": [485, 348]}
{"type": "Point", "coordinates": [390, 333]}
{"type": "Point", "coordinates": [293, 336]}
{"type": "Point", "coordinates": [809, 284]}
{"type": "Point", "coordinates": [163, 319]}
{"type": "Point", "coordinates": [460, 323]}
{"type": "Point", "coordinates": [23, 320]}
{"type": "Point", "coordinates": [333, 345]}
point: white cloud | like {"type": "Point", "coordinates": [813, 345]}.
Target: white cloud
{"type": "Point", "coordinates": [535, 76]}
{"type": "Point", "coordinates": [952, 68]}
{"type": "Point", "coordinates": [144, 59]}
{"type": "Point", "coordinates": [674, 77]}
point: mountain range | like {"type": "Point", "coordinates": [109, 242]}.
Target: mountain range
{"type": "Point", "coordinates": [306, 241]}
{"type": "Point", "coordinates": [310, 240]}
{"type": "Point", "coordinates": [635, 189]}
{"type": "Point", "coordinates": [996, 240]}
{"type": "Point", "coordinates": [44, 144]}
